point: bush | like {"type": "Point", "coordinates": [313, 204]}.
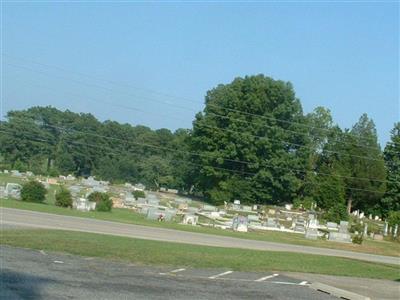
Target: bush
{"type": "Point", "coordinates": [64, 198]}
{"type": "Point", "coordinates": [304, 203]}
{"type": "Point", "coordinates": [103, 201]}
{"type": "Point", "coordinates": [139, 194]}
{"type": "Point", "coordinates": [394, 218]}
{"type": "Point", "coordinates": [33, 191]}
{"type": "Point", "coordinates": [336, 213]}
{"type": "Point", "coordinates": [357, 239]}
{"type": "Point", "coordinates": [357, 227]}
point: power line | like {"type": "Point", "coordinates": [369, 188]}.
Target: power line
{"type": "Point", "coordinates": [284, 142]}
{"type": "Point", "coordinates": [177, 97]}
{"type": "Point", "coordinates": [112, 151]}
{"type": "Point", "coordinates": [209, 155]}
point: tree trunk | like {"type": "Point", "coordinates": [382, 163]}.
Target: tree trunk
{"type": "Point", "coordinates": [349, 203]}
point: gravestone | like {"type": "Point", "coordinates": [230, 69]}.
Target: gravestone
{"type": "Point", "coordinates": [83, 204]}
{"type": "Point", "coordinates": [385, 229]}
{"type": "Point", "coordinates": [299, 225]}
{"type": "Point", "coordinates": [240, 223]}
{"type": "Point", "coordinates": [311, 233]}
{"type": "Point", "coordinates": [236, 205]}
{"type": "Point", "coordinates": [365, 233]}
{"type": "Point", "coordinates": [2, 192]}
{"type": "Point", "coordinates": [129, 200]}
{"type": "Point", "coordinates": [190, 219]}
{"type": "Point", "coordinates": [253, 218]}
{"type": "Point", "coordinates": [343, 235]}
{"type": "Point", "coordinates": [207, 207]}
{"type": "Point", "coordinates": [246, 208]}
{"type": "Point", "coordinates": [13, 190]}
{"type": "Point", "coordinates": [272, 223]}
{"type": "Point", "coordinates": [192, 210]}
{"type": "Point", "coordinates": [332, 226]}
{"type": "Point", "coordinates": [155, 214]}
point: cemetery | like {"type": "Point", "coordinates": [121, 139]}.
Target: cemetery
{"type": "Point", "coordinates": [168, 206]}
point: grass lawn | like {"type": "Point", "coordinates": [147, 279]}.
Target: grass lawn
{"type": "Point", "coordinates": [178, 255]}
{"type": "Point", "coordinates": [127, 216]}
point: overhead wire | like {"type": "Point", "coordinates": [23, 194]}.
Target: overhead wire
{"type": "Point", "coordinates": [177, 97]}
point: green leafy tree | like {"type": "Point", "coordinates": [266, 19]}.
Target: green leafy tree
{"type": "Point", "coordinates": [391, 199]}
{"type": "Point", "coordinates": [63, 198]}
{"type": "Point", "coordinates": [239, 123]}
{"type": "Point", "coordinates": [33, 191]}
{"type": "Point", "coordinates": [103, 201]}
{"type": "Point", "coordinates": [330, 190]}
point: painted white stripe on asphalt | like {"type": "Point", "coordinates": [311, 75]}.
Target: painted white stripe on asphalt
{"type": "Point", "coordinates": [58, 262]}
{"type": "Point", "coordinates": [221, 274]}
{"type": "Point", "coordinates": [177, 270]}
{"type": "Point", "coordinates": [266, 277]}
{"type": "Point", "coordinates": [303, 283]}
{"type": "Point", "coordinates": [285, 282]}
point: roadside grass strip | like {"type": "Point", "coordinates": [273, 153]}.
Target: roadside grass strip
{"type": "Point", "coordinates": [128, 217]}
{"type": "Point", "coordinates": [198, 261]}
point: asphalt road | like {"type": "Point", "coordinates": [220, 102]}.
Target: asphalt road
{"type": "Point", "coordinates": [43, 220]}
{"type": "Point", "coordinates": [30, 274]}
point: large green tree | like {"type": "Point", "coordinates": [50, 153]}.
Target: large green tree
{"type": "Point", "coordinates": [391, 199]}
{"type": "Point", "coordinates": [246, 142]}
{"type": "Point", "coordinates": [363, 165]}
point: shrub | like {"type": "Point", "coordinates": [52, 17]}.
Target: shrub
{"type": "Point", "coordinates": [103, 201]}
{"type": "Point", "coordinates": [357, 227]}
{"type": "Point", "coordinates": [33, 191]}
{"type": "Point", "coordinates": [64, 198]}
{"type": "Point", "coordinates": [357, 239]}
{"type": "Point", "coordinates": [139, 194]}
{"type": "Point", "coordinates": [336, 213]}
{"type": "Point", "coordinates": [305, 203]}
{"type": "Point", "coordinates": [394, 218]}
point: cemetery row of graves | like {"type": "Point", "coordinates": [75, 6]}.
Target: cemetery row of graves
{"type": "Point", "coordinates": [168, 206]}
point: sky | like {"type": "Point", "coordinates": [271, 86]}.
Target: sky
{"type": "Point", "coordinates": [152, 63]}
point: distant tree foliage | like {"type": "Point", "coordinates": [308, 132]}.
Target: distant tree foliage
{"type": "Point", "coordinates": [251, 142]}
{"type": "Point", "coordinates": [33, 191]}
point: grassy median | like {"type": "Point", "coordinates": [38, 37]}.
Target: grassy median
{"type": "Point", "coordinates": [130, 217]}
{"type": "Point", "coordinates": [181, 255]}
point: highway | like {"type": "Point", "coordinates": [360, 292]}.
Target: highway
{"type": "Point", "coordinates": [51, 221]}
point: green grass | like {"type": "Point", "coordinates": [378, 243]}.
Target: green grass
{"type": "Point", "coordinates": [130, 217]}
{"type": "Point", "coordinates": [146, 252]}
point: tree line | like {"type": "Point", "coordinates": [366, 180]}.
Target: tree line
{"type": "Point", "coordinates": [251, 142]}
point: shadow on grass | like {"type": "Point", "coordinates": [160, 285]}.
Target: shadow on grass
{"type": "Point", "coordinates": [17, 285]}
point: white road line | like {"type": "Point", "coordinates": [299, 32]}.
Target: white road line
{"type": "Point", "coordinates": [221, 274]}
{"type": "Point", "coordinates": [285, 282]}
{"type": "Point", "coordinates": [266, 277]}
{"type": "Point", "coordinates": [177, 270]}
{"type": "Point", "coordinates": [173, 271]}
{"type": "Point", "coordinates": [303, 283]}
{"type": "Point", "coordinates": [58, 262]}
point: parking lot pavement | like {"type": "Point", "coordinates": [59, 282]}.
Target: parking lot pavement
{"type": "Point", "coordinates": [32, 274]}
